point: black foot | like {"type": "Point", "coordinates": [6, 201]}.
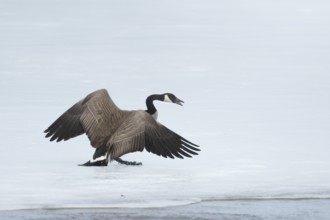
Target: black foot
{"type": "Point", "coordinates": [100, 163]}
{"type": "Point", "coordinates": [132, 163]}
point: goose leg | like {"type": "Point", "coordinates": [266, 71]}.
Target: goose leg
{"type": "Point", "coordinates": [132, 163]}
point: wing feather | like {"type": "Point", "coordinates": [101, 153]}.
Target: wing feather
{"type": "Point", "coordinates": [129, 137]}
{"type": "Point", "coordinates": [140, 131]}
{"type": "Point", "coordinates": [61, 128]}
{"type": "Point", "coordinates": [96, 115]}
{"type": "Point", "coordinates": [164, 138]}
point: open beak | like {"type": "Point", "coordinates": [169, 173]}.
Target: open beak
{"type": "Point", "coordinates": [178, 101]}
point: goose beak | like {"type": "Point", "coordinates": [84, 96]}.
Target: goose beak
{"type": "Point", "coordinates": [178, 101]}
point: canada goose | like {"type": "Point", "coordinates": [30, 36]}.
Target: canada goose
{"type": "Point", "coordinates": [115, 132]}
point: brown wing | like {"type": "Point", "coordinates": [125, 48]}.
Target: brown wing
{"type": "Point", "coordinates": [130, 136]}
{"type": "Point", "coordinates": [141, 131]}
{"type": "Point", "coordinates": [67, 125]}
{"type": "Point", "coordinates": [96, 115]}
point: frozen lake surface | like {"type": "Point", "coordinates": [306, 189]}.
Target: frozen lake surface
{"type": "Point", "coordinates": [217, 210]}
{"type": "Point", "coordinates": [254, 76]}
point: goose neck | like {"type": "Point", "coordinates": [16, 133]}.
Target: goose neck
{"type": "Point", "coordinates": [151, 109]}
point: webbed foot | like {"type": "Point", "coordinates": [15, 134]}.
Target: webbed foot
{"type": "Point", "coordinates": [132, 163]}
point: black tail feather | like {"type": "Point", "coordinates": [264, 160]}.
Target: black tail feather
{"type": "Point", "coordinates": [100, 163]}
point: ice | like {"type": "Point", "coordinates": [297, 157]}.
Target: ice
{"type": "Point", "coordinates": [254, 77]}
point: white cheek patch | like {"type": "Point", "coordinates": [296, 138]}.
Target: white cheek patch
{"type": "Point", "coordinates": [167, 99]}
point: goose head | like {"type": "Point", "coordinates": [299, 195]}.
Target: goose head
{"type": "Point", "coordinates": [166, 97]}
{"type": "Point", "coordinates": [171, 98]}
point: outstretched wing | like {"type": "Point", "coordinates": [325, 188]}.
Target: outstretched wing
{"type": "Point", "coordinates": [130, 136]}
{"type": "Point", "coordinates": [96, 115]}
{"type": "Point", "coordinates": [67, 125]}
{"type": "Point", "coordinates": [140, 131]}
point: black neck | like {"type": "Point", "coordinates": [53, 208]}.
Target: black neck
{"type": "Point", "coordinates": [151, 109]}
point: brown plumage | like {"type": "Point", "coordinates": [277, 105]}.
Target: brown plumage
{"type": "Point", "coordinates": [117, 131]}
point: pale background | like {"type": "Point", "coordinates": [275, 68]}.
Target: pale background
{"type": "Point", "coordinates": [254, 76]}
